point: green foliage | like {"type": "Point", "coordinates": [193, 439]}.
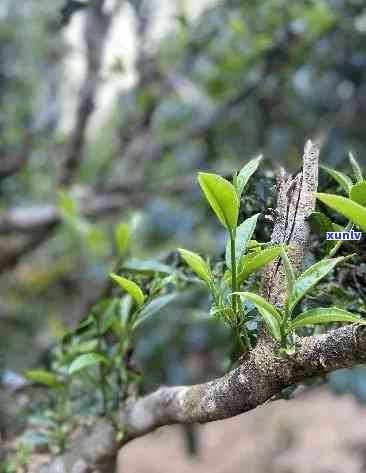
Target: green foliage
{"type": "Point", "coordinates": [252, 263]}
{"type": "Point", "coordinates": [222, 197]}
{"type": "Point", "coordinates": [197, 265]}
{"type": "Point", "coordinates": [343, 180]}
{"type": "Point", "coordinates": [324, 316]}
{"type": "Point", "coordinates": [122, 236]}
{"type": "Point", "coordinates": [43, 377]}
{"type": "Point", "coordinates": [244, 233]}
{"type": "Point", "coordinates": [131, 287]}
{"type": "Point", "coordinates": [309, 278]}
{"type": "Point", "coordinates": [356, 168]}
{"type": "Point", "coordinates": [347, 207]}
{"type": "Point", "coordinates": [85, 361]}
{"type": "Point", "coordinates": [245, 174]}
{"type": "Point", "coordinates": [358, 193]}
{"type": "Point", "coordinates": [280, 323]}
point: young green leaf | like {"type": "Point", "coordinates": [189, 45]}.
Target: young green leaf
{"type": "Point", "coordinates": [197, 265]}
{"type": "Point", "coordinates": [358, 193]}
{"type": "Point", "coordinates": [43, 377]}
{"type": "Point", "coordinates": [324, 316]}
{"type": "Point", "coordinates": [270, 314]}
{"type": "Point", "coordinates": [249, 264]}
{"type": "Point", "coordinates": [245, 174]}
{"type": "Point", "coordinates": [290, 274]}
{"type": "Point", "coordinates": [356, 168]}
{"type": "Point", "coordinates": [147, 267]}
{"type": "Point", "coordinates": [322, 224]}
{"type": "Point", "coordinates": [122, 237]}
{"type": "Point", "coordinates": [153, 307]}
{"type": "Point", "coordinates": [222, 197]}
{"type": "Point", "coordinates": [244, 233]}
{"type": "Point", "coordinates": [259, 301]}
{"type": "Point", "coordinates": [343, 180]}
{"type": "Point", "coordinates": [131, 287]}
{"type": "Point", "coordinates": [309, 278]}
{"type": "Point", "coordinates": [353, 211]}
{"type": "Point", "coordinates": [87, 360]}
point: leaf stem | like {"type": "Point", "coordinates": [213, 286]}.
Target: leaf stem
{"type": "Point", "coordinates": [234, 288]}
{"type": "Point", "coordinates": [236, 303]}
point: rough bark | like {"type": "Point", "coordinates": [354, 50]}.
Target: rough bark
{"type": "Point", "coordinates": [260, 377]}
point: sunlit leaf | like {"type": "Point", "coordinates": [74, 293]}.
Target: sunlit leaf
{"type": "Point", "coordinates": [356, 168]}
{"type": "Point", "coordinates": [43, 377]}
{"type": "Point", "coordinates": [347, 207]}
{"type": "Point", "coordinates": [270, 314]}
{"type": "Point", "coordinates": [86, 360]}
{"type": "Point", "coordinates": [325, 316]}
{"type": "Point", "coordinates": [358, 193]}
{"type": "Point", "coordinates": [197, 265]}
{"type": "Point", "coordinates": [343, 180]}
{"type": "Point", "coordinates": [245, 174]}
{"type": "Point", "coordinates": [309, 278]}
{"type": "Point", "coordinates": [131, 287]}
{"type": "Point", "coordinates": [153, 307]}
{"type": "Point", "coordinates": [222, 197]}
{"type": "Point", "coordinates": [122, 236]}
{"type": "Point", "coordinates": [249, 264]}
{"type": "Point", "coordinates": [244, 233]}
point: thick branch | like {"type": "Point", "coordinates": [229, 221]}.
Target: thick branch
{"type": "Point", "coordinates": [260, 377]}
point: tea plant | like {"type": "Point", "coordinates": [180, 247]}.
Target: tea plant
{"type": "Point", "coordinates": [353, 207]}
{"type": "Point", "coordinates": [243, 256]}
{"type": "Point", "coordinates": [93, 369]}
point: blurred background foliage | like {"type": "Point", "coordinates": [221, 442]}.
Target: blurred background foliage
{"type": "Point", "coordinates": [211, 91]}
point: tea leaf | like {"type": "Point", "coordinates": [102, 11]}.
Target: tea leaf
{"type": "Point", "coordinates": [222, 197]}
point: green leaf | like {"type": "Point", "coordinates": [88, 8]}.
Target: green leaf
{"type": "Point", "coordinates": [309, 278]}
{"type": "Point", "coordinates": [290, 274]}
{"type": "Point", "coordinates": [244, 233]}
{"type": "Point", "coordinates": [358, 193]}
{"type": "Point", "coordinates": [353, 211]}
{"type": "Point", "coordinates": [324, 316]}
{"type": "Point", "coordinates": [343, 180]}
{"type": "Point", "coordinates": [197, 265]}
{"type": "Point", "coordinates": [148, 267]}
{"type": "Point", "coordinates": [108, 316]}
{"type": "Point", "coordinates": [131, 287]}
{"type": "Point", "coordinates": [270, 314]}
{"type": "Point", "coordinates": [222, 313]}
{"type": "Point", "coordinates": [249, 264]}
{"type": "Point", "coordinates": [245, 174]}
{"type": "Point", "coordinates": [222, 197]}
{"type": "Point", "coordinates": [322, 224]}
{"type": "Point", "coordinates": [67, 205]}
{"type": "Point", "coordinates": [44, 377]}
{"type": "Point", "coordinates": [356, 168]}
{"type": "Point", "coordinates": [153, 307]}
{"type": "Point", "coordinates": [259, 301]}
{"type": "Point", "coordinates": [122, 236]}
{"type": "Point", "coordinates": [86, 360]}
